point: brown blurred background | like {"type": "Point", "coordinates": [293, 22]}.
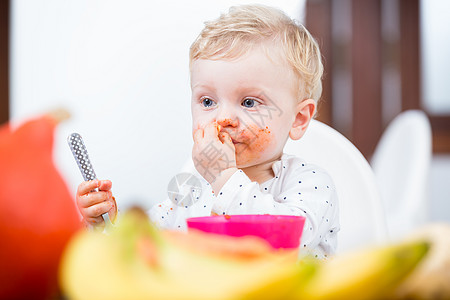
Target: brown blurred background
{"type": "Point", "coordinates": [362, 41]}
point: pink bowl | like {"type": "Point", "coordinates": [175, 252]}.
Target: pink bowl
{"type": "Point", "coordinates": [279, 230]}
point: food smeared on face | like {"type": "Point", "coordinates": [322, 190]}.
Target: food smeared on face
{"type": "Point", "coordinates": [250, 143]}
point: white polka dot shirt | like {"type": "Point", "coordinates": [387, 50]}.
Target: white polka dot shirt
{"type": "Point", "coordinates": [298, 188]}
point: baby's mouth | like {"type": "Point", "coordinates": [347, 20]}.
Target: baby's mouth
{"type": "Point", "coordinates": [237, 136]}
{"type": "Point", "coordinates": [233, 137]}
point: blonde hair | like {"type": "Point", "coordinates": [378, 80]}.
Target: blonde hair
{"type": "Point", "coordinates": [236, 32]}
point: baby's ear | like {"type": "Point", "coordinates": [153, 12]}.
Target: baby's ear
{"type": "Point", "coordinates": [304, 112]}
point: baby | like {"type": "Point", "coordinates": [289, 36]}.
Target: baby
{"type": "Point", "coordinates": [255, 80]}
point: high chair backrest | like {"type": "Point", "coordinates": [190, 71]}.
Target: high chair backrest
{"type": "Point", "coordinates": [401, 164]}
{"type": "Point", "coordinates": [360, 208]}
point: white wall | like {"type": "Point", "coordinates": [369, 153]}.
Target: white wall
{"type": "Point", "coordinates": [121, 69]}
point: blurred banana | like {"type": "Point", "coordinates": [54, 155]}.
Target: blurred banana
{"type": "Point", "coordinates": [365, 274]}
{"type": "Point", "coordinates": [431, 279]}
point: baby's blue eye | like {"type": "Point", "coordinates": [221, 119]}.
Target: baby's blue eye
{"type": "Point", "coordinates": [207, 102]}
{"type": "Point", "coordinates": [249, 103]}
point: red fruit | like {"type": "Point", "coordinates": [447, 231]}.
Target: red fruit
{"type": "Point", "coordinates": [37, 212]}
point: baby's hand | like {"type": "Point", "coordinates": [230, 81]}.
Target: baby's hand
{"type": "Point", "coordinates": [93, 205]}
{"type": "Point", "coordinates": [214, 155]}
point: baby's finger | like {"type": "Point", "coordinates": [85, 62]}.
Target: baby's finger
{"type": "Point", "coordinates": [104, 185]}
{"type": "Point", "coordinates": [87, 186]}
{"type": "Point", "coordinates": [93, 198]}
{"type": "Point", "coordinates": [226, 139]}
{"type": "Point", "coordinates": [113, 211]}
{"type": "Point", "coordinates": [212, 131]}
{"type": "Point", "coordinates": [98, 221]}
{"type": "Point", "coordinates": [222, 137]}
{"type": "Point", "coordinates": [97, 210]}
{"type": "Point", "coordinates": [198, 135]}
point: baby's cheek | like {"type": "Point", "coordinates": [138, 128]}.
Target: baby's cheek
{"type": "Point", "coordinates": [259, 141]}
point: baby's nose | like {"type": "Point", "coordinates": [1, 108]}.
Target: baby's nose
{"type": "Point", "coordinates": [232, 122]}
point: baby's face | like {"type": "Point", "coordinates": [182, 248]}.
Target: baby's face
{"type": "Point", "coordinates": [253, 98]}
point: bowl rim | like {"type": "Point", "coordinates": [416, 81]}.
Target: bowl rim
{"type": "Point", "coordinates": [246, 218]}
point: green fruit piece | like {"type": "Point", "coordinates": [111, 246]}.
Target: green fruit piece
{"type": "Point", "coordinates": [366, 274]}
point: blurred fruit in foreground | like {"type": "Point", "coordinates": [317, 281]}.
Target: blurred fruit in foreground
{"type": "Point", "coordinates": [37, 213]}
{"type": "Point", "coordinates": [365, 274]}
{"type": "Point", "coordinates": [137, 261]}
{"type": "Point", "coordinates": [431, 279]}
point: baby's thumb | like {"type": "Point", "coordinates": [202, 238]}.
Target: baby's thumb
{"type": "Point", "coordinates": [113, 211]}
{"type": "Point", "coordinates": [225, 138]}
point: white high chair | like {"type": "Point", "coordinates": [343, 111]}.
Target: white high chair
{"type": "Point", "coordinates": [360, 208]}
{"type": "Point", "coordinates": [401, 163]}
